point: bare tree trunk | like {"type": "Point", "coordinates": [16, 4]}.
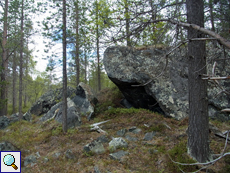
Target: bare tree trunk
{"type": "Point", "coordinates": [198, 130]}
{"type": "Point", "coordinates": [211, 15]}
{"type": "Point", "coordinates": [21, 63]}
{"type": "Point", "coordinates": [85, 68]}
{"type": "Point", "coordinates": [127, 19]}
{"type": "Point", "coordinates": [77, 61]}
{"type": "Point", "coordinates": [98, 55]}
{"type": "Point", "coordinates": [26, 77]}
{"type": "Point", "coordinates": [4, 64]}
{"type": "Point", "coordinates": [14, 95]}
{"type": "Point", "coordinates": [64, 112]}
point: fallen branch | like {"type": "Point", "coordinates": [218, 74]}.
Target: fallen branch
{"type": "Point", "coordinates": [216, 78]}
{"type": "Point", "coordinates": [95, 127]}
{"type": "Point", "coordinates": [225, 110]}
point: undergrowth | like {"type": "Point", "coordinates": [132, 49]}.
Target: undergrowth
{"type": "Point", "coordinates": [179, 154]}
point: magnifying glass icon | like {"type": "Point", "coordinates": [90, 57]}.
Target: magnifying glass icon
{"type": "Point", "coordinates": [9, 160]}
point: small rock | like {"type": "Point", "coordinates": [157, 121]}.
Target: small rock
{"type": "Point", "coordinates": [56, 155]}
{"type": "Point", "coordinates": [118, 155]}
{"type": "Point", "coordinates": [121, 132]}
{"type": "Point", "coordinates": [117, 143]}
{"type": "Point", "coordinates": [130, 138]}
{"type": "Point", "coordinates": [45, 160]}
{"type": "Point", "coordinates": [151, 143]}
{"type": "Point", "coordinates": [96, 169]}
{"type": "Point", "coordinates": [31, 159]}
{"type": "Point", "coordinates": [95, 146]}
{"type": "Point", "coordinates": [149, 136]}
{"type": "Point", "coordinates": [103, 139]}
{"type": "Point", "coordinates": [134, 130]}
{"type": "Point", "coordinates": [37, 155]}
{"type": "Point", "coordinates": [69, 154]}
{"type": "Point", "coordinates": [7, 146]}
{"type": "Point", "coordinates": [152, 151]}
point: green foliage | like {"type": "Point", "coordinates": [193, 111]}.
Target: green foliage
{"type": "Point", "coordinates": [179, 154]}
{"type": "Point", "coordinates": [57, 131]}
{"type": "Point", "coordinates": [156, 128]}
{"type": "Point", "coordinates": [121, 111]}
{"type": "Point", "coordinates": [88, 154]}
{"type": "Point", "coordinates": [226, 168]}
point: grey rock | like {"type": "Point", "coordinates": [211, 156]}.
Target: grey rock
{"type": "Point", "coordinates": [7, 146]}
{"type": "Point", "coordinates": [45, 160]}
{"type": "Point", "coordinates": [73, 116]}
{"type": "Point", "coordinates": [85, 100]}
{"type": "Point", "coordinates": [126, 103]}
{"type": "Point", "coordinates": [14, 117]}
{"type": "Point", "coordinates": [4, 122]}
{"type": "Point", "coordinates": [149, 136]}
{"type": "Point", "coordinates": [168, 93]}
{"type": "Point", "coordinates": [96, 169]}
{"type": "Point", "coordinates": [94, 147]}
{"type": "Point", "coordinates": [49, 99]}
{"type": "Point", "coordinates": [51, 113]}
{"type": "Point", "coordinates": [152, 151]}
{"type": "Point", "coordinates": [56, 155]}
{"type": "Point", "coordinates": [117, 143]}
{"type": "Point", "coordinates": [103, 139]}
{"type": "Point", "coordinates": [134, 130]}
{"type": "Point", "coordinates": [121, 132]}
{"type": "Point", "coordinates": [130, 138]}
{"type": "Point", "coordinates": [27, 116]}
{"type": "Point", "coordinates": [69, 154]}
{"type": "Point", "coordinates": [81, 103]}
{"type": "Point", "coordinates": [37, 155]}
{"type": "Point", "coordinates": [31, 159]}
{"type": "Point", "coordinates": [118, 155]}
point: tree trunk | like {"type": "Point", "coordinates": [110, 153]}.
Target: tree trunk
{"type": "Point", "coordinates": [127, 18]}
{"type": "Point", "coordinates": [21, 63]}
{"type": "Point", "coordinates": [98, 55]}
{"type": "Point", "coordinates": [211, 15]}
{"type": "Point", "coordinates": [26, 77]}
{"type": "Point", "coordinates": [64, 112]}
{"type": "Point", "coordinates": [14, 95]}
{"type": "Point", "coordinates": [85, 68]}
{"type": "Point", "coordinates": [198, 130]}
{"type": "Point", "coordinates": [4, 64]}
{"type": "Point", "coordinates": [77, 61]}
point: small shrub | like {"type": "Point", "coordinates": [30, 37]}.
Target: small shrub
{"type": "Point", "coordinates": [179, 154]}
{"type": "Point", "coordinates": [226, 168]}
{"type": "Point", "coordinates": [57, 131]}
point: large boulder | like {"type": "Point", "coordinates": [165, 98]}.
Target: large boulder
{"type": "Point", "coordinates": [166, 90]}
{"type": "Point", "coordinates": [81, 103]}
{"type": "Point", "coordinates": [49, 99]}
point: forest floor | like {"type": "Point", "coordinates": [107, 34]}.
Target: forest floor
{"type": "Point", "coordinates": [170, 141]}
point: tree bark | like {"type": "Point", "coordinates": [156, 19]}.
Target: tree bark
{"type": "Point", "coordinates": [4, 64]}
{"type": "Point", "coordinates": [211, 15]}
{"type": "Point", "coordinates": [14, 95]}
{"type": "Point", "coordinates": [198, 130]}
{"type": "Point", "coordinates": [85, 67]}
{"type": "Point", "coordinates": [21, 63]}
{"type": "Point", "coordinates": [127, 18]}
{"type": "Point", "coordinates": [77, 61]}
{"type": "Point", "coordinates": [98, 55]}
{"type": "Point", "coordinates": [64, 112]}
